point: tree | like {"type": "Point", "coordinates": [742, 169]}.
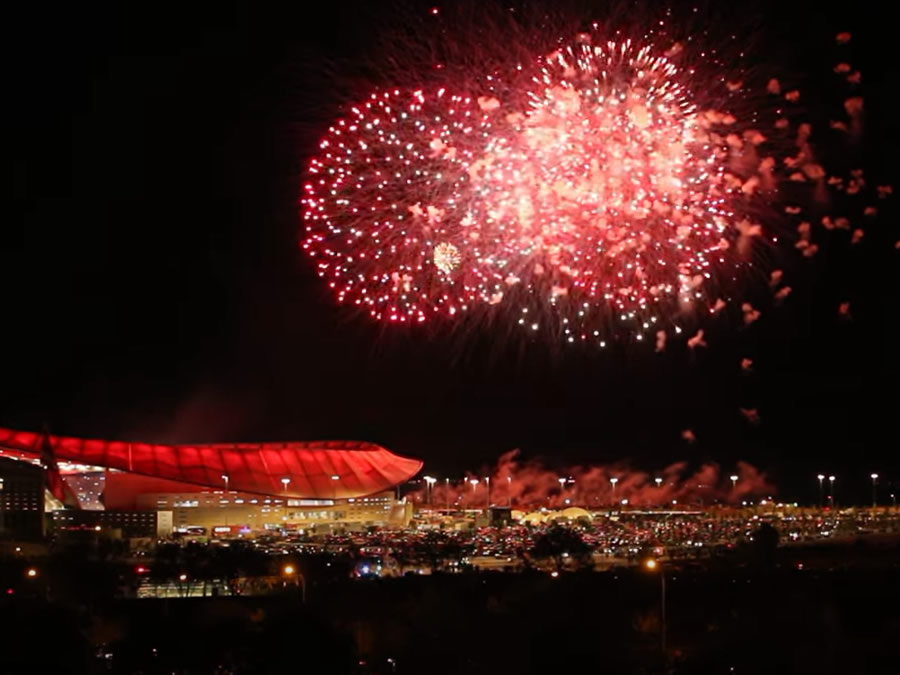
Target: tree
{"type": "Point", "coordinates": [560, 544]}
{"type": "Point", "coordinates": [765, 541]}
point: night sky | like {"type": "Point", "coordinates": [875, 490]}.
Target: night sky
{"type": "Point", "coordinates": [153, 289]}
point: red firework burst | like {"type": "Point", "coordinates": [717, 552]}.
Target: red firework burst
{"type": "Point", "coordinates": [593, 183]}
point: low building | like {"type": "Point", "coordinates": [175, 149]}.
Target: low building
{"type": "Point", "coordinates": [226, 514]}
{"type": "Point", "coordinates": [117, 524]}
{"type": "Point", "coordinates": [21, 500]}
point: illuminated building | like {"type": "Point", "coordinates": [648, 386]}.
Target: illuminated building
{"type": "Point", "coordinates": [233, 513]}
{"type": "Point", "coordinates": [21, 500]}
{"type": "Point", "coordinates": [243, 486]}
{"type": "Point", "coordinates": [113, 524]}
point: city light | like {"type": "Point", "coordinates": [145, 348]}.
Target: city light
{"type": "Point", "coordinates": [288, 570]}
{"type": "Point", "coordinates": [31, 572]}
{"type": "Point", "coordinates": [650, 564]}
{"type": "Point", "coordinates": [429, 488]}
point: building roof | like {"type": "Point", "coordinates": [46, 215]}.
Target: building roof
{"type": "Point", "coordinates": [316, 469]}
{"type": "Point", "coordinates": [574, 513]}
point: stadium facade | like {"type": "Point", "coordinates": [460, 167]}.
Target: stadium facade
{"type": "Point", "coordinates": [219, 488]}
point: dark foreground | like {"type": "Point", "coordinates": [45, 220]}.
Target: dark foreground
{"type": "Point", "coordinates": [838, 614]}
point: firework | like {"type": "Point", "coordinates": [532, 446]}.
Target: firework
{"type": "Point", "coordinates": [608, 193]}
{"type": "Point", "coordinates": [385, 205]}
{"type": "Point", "coordinates": [599, 183]}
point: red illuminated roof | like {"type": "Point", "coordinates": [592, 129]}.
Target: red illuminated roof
{"type": "Point", "coordinates": [320, 469]}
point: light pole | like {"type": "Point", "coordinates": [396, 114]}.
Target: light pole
{"type": "Point", "coordinates": [447, 485]}
{"type": "Point", "coordinates": [288, 571]}
{"type": "Point", "coordinates": [334, 479]}
{"type": "Point", "coordinates": [285, 481]}
{"type": "Point", "coordinates": [487, 483]}
{"type": "Point", "coordinates": [474, 483]}
{"type": "Point", "coordinates": [734, 480]}
{"type": "Point", "coordinates": [874, 490]}
{"type": "Point", "coordinates": [562, 485]}
{"type": "Point", "coordinates": [821, 477]}
{"type": "Point", "coordinates": [614, 481]}
{"type": "Point", "coordinates": [509, 491]}
{"type": "Point", "coordinates": [429, 489]}
{"type": "Point", "coordinates": [893, 500]}
{"type": "Point", "coordinates": [655, 566]}
{"type": "Point", "coordinates": [225, 478]}
{"type": "Point", "coordinates": [831, 490]}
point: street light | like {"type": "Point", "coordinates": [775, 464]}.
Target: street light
{"type": "Point", "coordinates": [821, 477]}
{"type": "Point", "coordinates": [31, 572]}
{"type": "Point", "coordinates": [334, 479]}
{"type": "Point", "coordinates": [487, 483]}
{"type": "Point", "coordinates": [288, 571]}
{"type": "Point", "coordinates": [734, 480]}
{"type": "Point", "coordinates": [874, 490]}
{"type": "Point", "coordinates": [655, 566]}
{"type": "Point", "coordinates": [285, 482]}
{"type": "Point", "coordinates": [447, 484]}
{"type": "Point", "coordinates": [509, 491]}
{"type": "Point", "coordinates": [225, 478]}
{"type": "Point", "coordinates": [614, 481]}
{"type": "Point", "coordinates": [429, 489]}
{"type": "Point", "coordinates": [658, 482]}
{"type": "Point", "coordinates": [831, 490]}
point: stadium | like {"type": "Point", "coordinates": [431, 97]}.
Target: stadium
{"type": "Point", "coordinates": [153, 490]}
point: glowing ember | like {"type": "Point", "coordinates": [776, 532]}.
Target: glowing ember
{"type": "Point", "coordinates": [446, 257]}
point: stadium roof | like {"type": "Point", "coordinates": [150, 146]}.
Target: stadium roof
{"type": "Point", "coordinates": [318, 469]}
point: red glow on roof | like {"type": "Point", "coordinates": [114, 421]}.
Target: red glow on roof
{"type": "Point", "coordinates": [262, 468]}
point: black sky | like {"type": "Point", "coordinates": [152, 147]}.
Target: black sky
{"type": "Point", "coordinates": [153, 289]}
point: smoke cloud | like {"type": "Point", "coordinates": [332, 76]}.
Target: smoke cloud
{"type": "Point", "coordinates": [530, 485]}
